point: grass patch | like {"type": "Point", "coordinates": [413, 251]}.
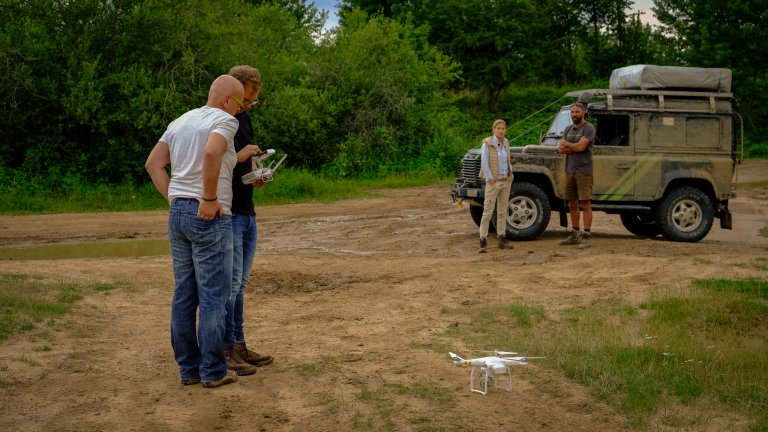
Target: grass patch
{"type": "Point", "coordinates": [704, 347]}
{"type": "Point", "coordinates": [384, 407]}
{"type": "Point", "coordinates": [764, 232]}
{"type": "Point", "coordinates": [26, 360]}
{"type": "Point", "coordinates": [26, 301]}
{"type": "Point", "coordinates": [295, 186]}
{"type": "Point", "coordinates": [308, 370]}
{"type": "Point", "coordinates": [78, 198]}
{"type": "Point", "coordinates": [753, 185]}
{"type": "Point", "coordinates": [101, 287]}
{"type": "Point", "coordinates": [761, 263]}
{"type": "Point", "coordinates": [755, 287]}
{"type": "Point", "coordinates": [492, 325]}
{"type": "Point", "coordinates": [290, 185]}
{"type": "Point", "coordinates": [331, 404]}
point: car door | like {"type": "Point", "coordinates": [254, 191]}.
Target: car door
{"type": "Point", "coordinates": [614, 158]}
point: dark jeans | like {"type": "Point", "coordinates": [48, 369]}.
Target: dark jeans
{"type": "Point", "coordinates": [244, 233]}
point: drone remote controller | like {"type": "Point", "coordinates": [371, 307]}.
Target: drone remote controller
{"type": "Point", "coordinates": [261, 173]}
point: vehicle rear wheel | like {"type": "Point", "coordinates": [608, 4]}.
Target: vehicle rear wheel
{"type": "Point", "coordinates": [641, 224]}
{"type": "Point", "coordinates": [528, 212]}
{"type": "Point", "coordinates": [685, 214]}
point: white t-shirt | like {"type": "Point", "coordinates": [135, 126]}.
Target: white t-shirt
{"type": "Point", "coordinates": [186, 138]}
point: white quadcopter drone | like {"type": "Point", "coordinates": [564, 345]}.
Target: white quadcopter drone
{"type": "Point", "coordinates": [492, 370]}
{"type": "Point", "coordinates": [260, 173]}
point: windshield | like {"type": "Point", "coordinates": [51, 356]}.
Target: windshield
{"type": "Point", "coordinates": [561, 121]}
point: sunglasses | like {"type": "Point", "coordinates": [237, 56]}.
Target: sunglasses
{"type": "Point", "coordinates": [238, 101]}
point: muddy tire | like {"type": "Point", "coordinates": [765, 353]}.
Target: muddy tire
{"type": "Point", "coordinates": [528, 212]}
{"type": "Point", "coordinates": [685, 214]}
{"type": "Point", "coordinates": [477, 215]}
{"type": "Point", "coordinates": [640, 224]}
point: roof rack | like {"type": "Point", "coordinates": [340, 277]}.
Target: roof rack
{"type": "Point", "coordinates": [660, 98]}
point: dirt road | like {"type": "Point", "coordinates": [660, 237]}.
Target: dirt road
{"type": "Point", "coordinates": [348, 298]}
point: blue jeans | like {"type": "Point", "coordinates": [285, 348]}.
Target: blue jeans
{"type": "Point", "coordinates": [244, 235]}
{"type": "Point", "coordinates": [202, 271]}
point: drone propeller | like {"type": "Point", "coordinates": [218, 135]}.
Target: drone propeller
{"type": "Point", "coordinates": [500, 353]}
{"type": "Point", "coordinates": [457, 360]}
{"type": "Point", "coordinates": [522, 358]}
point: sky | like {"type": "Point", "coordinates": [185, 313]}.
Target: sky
{"type": "Point", "coordinates": [645, 6]}
{"type": "Point", "coordinates": [333, 18]}
{"type": "Point", "coordinates": [330, 6]}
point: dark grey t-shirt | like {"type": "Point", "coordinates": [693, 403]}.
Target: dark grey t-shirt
{"type": "Point", "coordinates": [579, 162]}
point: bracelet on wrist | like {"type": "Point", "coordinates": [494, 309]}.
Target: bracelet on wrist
{"type": "Point", "coordinates": [211, 199]}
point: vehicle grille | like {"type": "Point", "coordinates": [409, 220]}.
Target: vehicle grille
{"type": "Point", "coordinates": [470, 167]}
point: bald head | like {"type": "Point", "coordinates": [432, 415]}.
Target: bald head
{"type": "Point", "coordinates": [226, 93]}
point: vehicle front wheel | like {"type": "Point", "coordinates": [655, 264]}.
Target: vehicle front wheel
{"type": "Point", "coordinates": [640, 224]}
{"type": "Point", "coordinates": [528, 212]}
{"type": "Point", "coordinates": [685, 214]}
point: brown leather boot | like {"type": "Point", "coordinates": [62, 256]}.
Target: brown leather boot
{"type": "Point", "coordinates": [251, 357]}
{"type": "Point", "coordinates": [502, 242]}
{"type": "Point", "coordinates": [237, 364]}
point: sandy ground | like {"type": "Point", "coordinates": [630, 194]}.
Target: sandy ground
{"type": "Point", "coordinates": [348, 297]}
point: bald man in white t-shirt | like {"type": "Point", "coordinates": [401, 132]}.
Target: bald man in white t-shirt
{"type": "Point", "coordinates": [199, 148]}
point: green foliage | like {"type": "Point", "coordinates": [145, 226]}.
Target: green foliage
{"type": "Point", "coordinates": [54, 192]}
{"type": "Point", "coordinates": [442, 154]}
{"type": "Point", "coordinates": [604, 21]}
{"type": "Point", "coordinates": [91, 96]}
{"type": "Point", "coordinates": [301, 122]}
{"type": "Point", "coordinates": [306, 15]}
{"type": "Point", "coordinates": [89, 86]}
{"type": "Point", "coordinates": [366, 104]}
{"type": "Point", "coordinates": [756, 150]}
{"type": "Point", "coordinates": [490, 39]}
{"type": "Point", "coordinates": [371, 7]}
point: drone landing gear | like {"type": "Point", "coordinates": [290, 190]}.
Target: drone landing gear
{"type": "Point", "coordinates": [490, 377]}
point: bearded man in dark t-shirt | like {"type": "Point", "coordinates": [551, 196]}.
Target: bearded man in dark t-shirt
{"type": "Point", "coordinates": [576, 145]}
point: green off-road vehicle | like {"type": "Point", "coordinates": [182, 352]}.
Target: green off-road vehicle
{"type": "Point", "coordinates": [668, 141]}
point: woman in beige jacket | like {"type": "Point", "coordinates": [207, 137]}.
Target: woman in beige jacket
{"type": "Point", "coordinates": [496, 170]}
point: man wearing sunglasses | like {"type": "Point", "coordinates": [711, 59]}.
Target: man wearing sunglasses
{"type": "Point", "coordinates": [239, 357]}
{"type": "Point", "coordinates": [199, 147]}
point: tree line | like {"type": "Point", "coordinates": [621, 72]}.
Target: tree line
{"type": "Point", "coordinates": [89, 86]}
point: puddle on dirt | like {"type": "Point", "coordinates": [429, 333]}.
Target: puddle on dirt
{"type": "Point", "coordinates": [88, 250]}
